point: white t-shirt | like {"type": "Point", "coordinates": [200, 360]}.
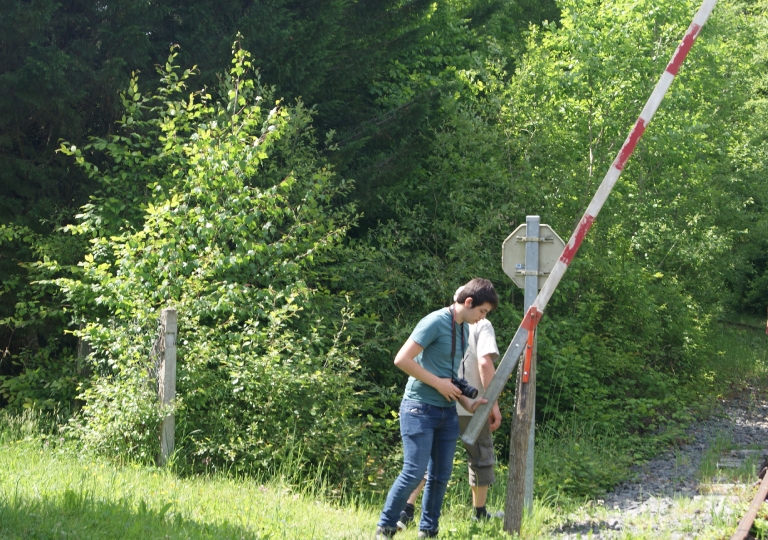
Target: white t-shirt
{"type": "Point", "coordinates": [482, 341]}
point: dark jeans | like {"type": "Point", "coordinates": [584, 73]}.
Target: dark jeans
{"type": "Point", "coordinates": [429, 442]}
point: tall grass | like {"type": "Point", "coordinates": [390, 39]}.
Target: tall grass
{"type": "Point", "coordinates": [579, 461]}
{"type": "Point", "coordinates": [741, 354]}
{"type": "Point", "coordinates": [48, 490]}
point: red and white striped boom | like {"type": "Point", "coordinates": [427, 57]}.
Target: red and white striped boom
{"type": "Point", "coordinates": [535, 312]}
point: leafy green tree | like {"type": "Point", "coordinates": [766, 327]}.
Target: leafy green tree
{"type": "Point", "coordinates": [627, 329]}
{"type": "Point", "coordinates": [747, 273]}
{"type": "Point", "coordinates": [235, 227]}
{"type": "Point", "coordinates": [649, 278]}
{"type": "Point", "coordinates": [46, 372]}
{"type": "Point", "coordinates": [60, 68]}
{"type": "Point", "coordinates": [456, 119]}
{"type": "Point", "coordinates": [361, 65]}
{"type": "Point", "coordinates": [64, 63]}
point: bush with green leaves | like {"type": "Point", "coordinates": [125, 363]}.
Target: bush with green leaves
{"type": "Point", "coordinates": [220, 208]}
{"type": "Point", "coordinates": [628, 329]}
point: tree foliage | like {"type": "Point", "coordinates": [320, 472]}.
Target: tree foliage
{"type": "Point", "coordinates": [455, 120]}
{"type": "Point", "coordinates": [230, 223]}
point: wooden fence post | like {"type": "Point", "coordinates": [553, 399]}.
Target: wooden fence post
{"type": "Point", "coordinates": [520, 476]}
{"type": "Point", "coordinates": [167, 381]}
{"type": "Point", "coordinates": [521, 454]}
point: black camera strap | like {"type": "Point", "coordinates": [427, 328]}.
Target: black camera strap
{"type": "Point", "coordinates": [453, 339]}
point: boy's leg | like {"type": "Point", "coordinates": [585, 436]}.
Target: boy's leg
{"type": "Point", "coordinates": [416, 428]}
{"type": "Point", "coordinates": [479, 496]}
{"type": "Point", "coordinates": [480, 460]}
{"type": "Point", "coordinates": [407, 513]}
{"type": "Point", "coordinates": [440, 467]}
{"type": "Point", "coordinates": [417, 491]}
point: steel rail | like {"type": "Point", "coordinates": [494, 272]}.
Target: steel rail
{"type": "Point", "coordinates": [742, 531]}
{"type": "Point", "coordinates": [535, 312]}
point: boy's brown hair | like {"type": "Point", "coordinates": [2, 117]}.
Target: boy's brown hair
{"type": "Point", "coordinates": [481, 291]}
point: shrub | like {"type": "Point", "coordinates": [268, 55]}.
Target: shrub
{"type": "Point", "coordinates": [221, 208]}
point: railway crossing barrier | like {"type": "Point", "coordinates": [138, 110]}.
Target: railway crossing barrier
{"type": "Point", "coordinates": [536, 311]}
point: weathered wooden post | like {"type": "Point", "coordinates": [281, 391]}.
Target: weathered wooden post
{"type": "Point", "coordinates": [167, 381]}
{"type": "Point", "coordinates": [528, 255]}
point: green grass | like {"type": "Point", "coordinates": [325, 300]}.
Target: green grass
{"type": "Point", "coordinates": [709, 473]}
{"type": "Point", "coordinates": [742, 354]}
{"type": "Point", "coordinates": [47, 493]}
{"type": "Point", "coordinates": [579, 459]}
{"type": "Point", "coordinates": [47, 490]}
{"type": "Point", "coordinates": [740, 363]}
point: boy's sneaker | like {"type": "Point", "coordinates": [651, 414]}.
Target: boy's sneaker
{"type": "Point", "coordinates": [427, 534]}
{"type": "Point", "coordinates": [481, 514]}
{"type": "Point", "coordinates": [404, 520]}
{"type": "Point", "coordinates": [384, 532]}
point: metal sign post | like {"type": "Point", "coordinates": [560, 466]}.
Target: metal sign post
{"type": "Point", "coordinates": [528, 255]}
{"type": "Point", "coordinates": [528, 378]}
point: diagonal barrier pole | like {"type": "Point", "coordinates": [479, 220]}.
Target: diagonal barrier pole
{"type": "Point", "coordinates": [535, 312]}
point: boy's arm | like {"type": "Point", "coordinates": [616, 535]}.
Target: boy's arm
{"type": "Point", "coordinates": [405, 361]}
{"type": "Point", "coordinates": [487, 371]}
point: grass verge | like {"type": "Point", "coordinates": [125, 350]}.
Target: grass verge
{"type": "Point", "coordinates": [50, 492]}
{"type": "Point", "coordinates": [47, 490]}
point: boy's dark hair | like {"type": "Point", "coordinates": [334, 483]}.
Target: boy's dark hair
{"type": "Point", "coordinates": [480, 291]}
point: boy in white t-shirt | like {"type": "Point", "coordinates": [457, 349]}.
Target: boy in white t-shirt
{"type": "Point", "coordinates": [478, 369]}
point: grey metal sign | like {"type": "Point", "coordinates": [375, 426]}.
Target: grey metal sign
{"type": "Point", "coordinates": [513, 253]}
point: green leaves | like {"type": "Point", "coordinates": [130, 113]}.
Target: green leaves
{"type": "Point", "coordinates": [230, 222]}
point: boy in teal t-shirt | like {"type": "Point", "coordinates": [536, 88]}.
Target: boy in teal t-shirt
{"type": "Point", "coordinates": [433, 333]}
{"type": "Point", "coordinates": [429, 423]}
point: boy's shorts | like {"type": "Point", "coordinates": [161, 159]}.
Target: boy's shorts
{"type": "Point", "coordinates": [480, 456]}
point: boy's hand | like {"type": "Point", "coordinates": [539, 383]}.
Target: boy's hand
{"type": "Point", "coordinates": [494, 418]}
{"type": "Point", "coordinates": [447, 389]}
{"type": "Point", "coordinates": [468, 405]}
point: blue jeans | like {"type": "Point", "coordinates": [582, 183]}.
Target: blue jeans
{"type": "Point", "coordinates": [429, 442]}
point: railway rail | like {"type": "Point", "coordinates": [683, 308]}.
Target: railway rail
{"type": "Point", "coordinates": [745, 525]}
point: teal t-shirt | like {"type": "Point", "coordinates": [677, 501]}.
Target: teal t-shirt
{"type": "Point", "coordinates": [434, 334]}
